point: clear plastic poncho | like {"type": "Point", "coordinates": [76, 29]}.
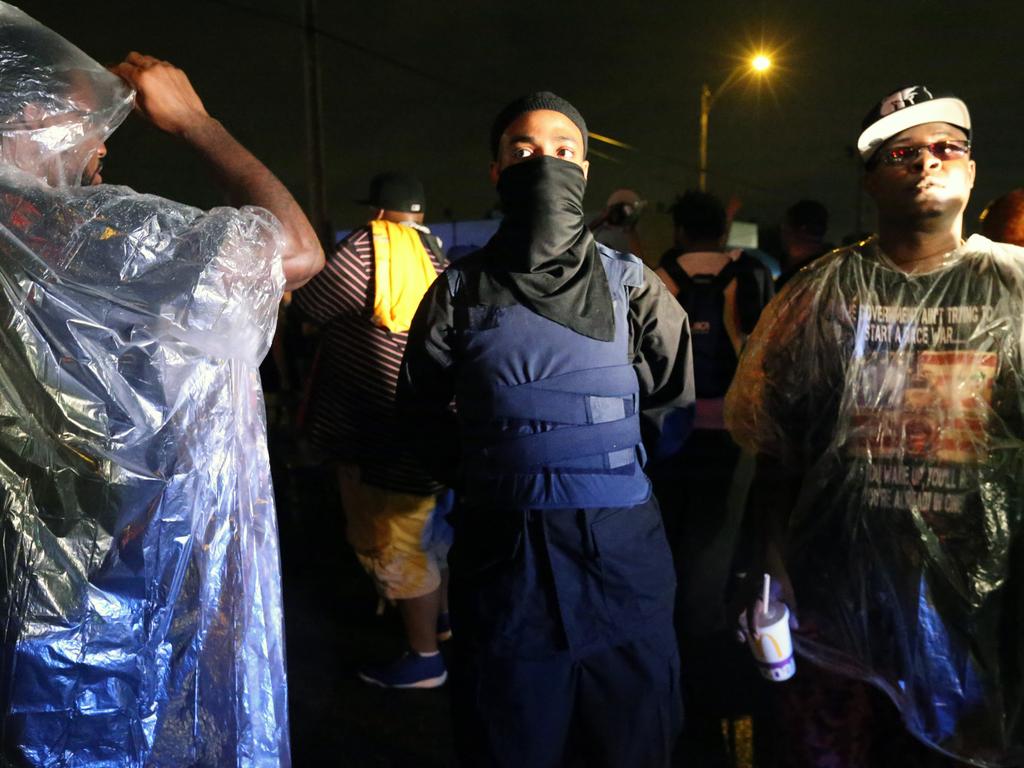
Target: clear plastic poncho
{"type": "Point", "coordinates": [141, 601]}
{"type": "Point", "coordinates": [899, 401]}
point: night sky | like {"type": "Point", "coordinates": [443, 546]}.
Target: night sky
{"type": "Point", "coordinates": [414, 85]}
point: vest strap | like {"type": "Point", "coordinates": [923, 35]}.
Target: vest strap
{"type": "Point", "coordinates": [547, 449]}
{"type": "Point", "coordinates": [581, 397]}
{"type": "Point", "coordinates": [554, 407]}
{"type": "Point", "coordinates": [610, 381]}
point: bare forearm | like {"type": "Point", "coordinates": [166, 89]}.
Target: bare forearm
{"type": "Point", "coordinates": [165, 97]}
{"type": "Point", "coordinates": [247, 181]}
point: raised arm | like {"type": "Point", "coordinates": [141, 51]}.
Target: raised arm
{"type": "Point", "coordinates": [166, 98]}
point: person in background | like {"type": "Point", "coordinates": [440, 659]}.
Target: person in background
{"type": "Point", "coordinates": [802, 234]}
{"type": "Point", "coordinates": [364, 301]}
{"type": "Point", "coordinates": [1003, 218]}
{"type": "Point", "coordinates": [616, 225]}
{"type": "Point", "coordinates": [723, 292]}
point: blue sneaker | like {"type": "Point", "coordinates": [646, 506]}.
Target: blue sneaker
{"type": "Point", "coordinates": [444, 627]}
{"type": "Point", "coordinates": [410, 670]}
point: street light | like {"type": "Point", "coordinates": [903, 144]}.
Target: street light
{"type": "Point", "coordinates": [758, 64]}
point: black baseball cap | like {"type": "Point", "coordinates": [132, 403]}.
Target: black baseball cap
{"type": "Point", "coordinates": [396, 191]}
{"type": "Point", "coordinates": [905, 108]}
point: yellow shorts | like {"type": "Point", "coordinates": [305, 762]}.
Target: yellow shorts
{"type": "Point", "coordinates": [387, 530]}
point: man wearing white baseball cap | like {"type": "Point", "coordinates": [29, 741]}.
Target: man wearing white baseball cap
{"type": "Point", "coordinates": [883, 393]}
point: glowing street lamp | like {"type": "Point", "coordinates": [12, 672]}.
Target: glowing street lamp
{"type": "Point", "coordinates": [759, 64]}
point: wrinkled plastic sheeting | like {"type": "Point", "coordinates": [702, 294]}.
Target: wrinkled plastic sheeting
{"type": "Point", "coordinates": [140, 609]}
{"type": "Point", "coordinates": [899, 401]}
{"type": "Point", "coordinates": [141, 602]}
{"type": "Point", "coordinates": [57, 105]}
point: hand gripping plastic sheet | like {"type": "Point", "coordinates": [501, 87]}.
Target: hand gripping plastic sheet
{"type": "Point", "coordinates": [899, 401]}
{"type": "Point", "coordinates": [140, 609]}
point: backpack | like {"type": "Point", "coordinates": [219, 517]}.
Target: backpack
{"type": "Point", "coordinates": [703, 298]}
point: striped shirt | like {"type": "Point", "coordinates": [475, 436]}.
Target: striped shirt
{"type": "Point", "coordinates": [352, 411]}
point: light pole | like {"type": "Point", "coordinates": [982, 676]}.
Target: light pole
{"type": "Point", "coordinates": [758, 64]}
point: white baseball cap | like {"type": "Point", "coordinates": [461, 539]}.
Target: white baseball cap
{"type": "Point", "coordinates": [905, 108]}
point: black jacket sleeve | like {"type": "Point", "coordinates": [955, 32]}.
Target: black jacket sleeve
{"type": "Point", "coordinates": [662, 358]}
{"type": "Point", "coordinates": [426, 386]}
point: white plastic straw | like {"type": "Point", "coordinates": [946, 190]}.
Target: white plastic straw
{"type": "Point", "coordinates": [765, 593]}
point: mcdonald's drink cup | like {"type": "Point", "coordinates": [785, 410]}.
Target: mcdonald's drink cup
{"type": "Point", "coordinates": [773, 646]}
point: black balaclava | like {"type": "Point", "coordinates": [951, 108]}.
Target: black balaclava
{"type": "Point", "coordinates": [543, 249]}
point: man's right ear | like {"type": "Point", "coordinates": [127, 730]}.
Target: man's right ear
{"type": "Point", "coordinates": [495, 172]}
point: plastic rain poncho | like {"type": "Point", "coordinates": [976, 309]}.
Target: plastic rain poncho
{"type": "Point", "coordinates": [141, 601]}
{"type": "Point", "coordinates": [899, 401]}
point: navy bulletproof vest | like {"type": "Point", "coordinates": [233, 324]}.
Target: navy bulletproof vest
{"type": "Point", "coordinates": [549, 417]}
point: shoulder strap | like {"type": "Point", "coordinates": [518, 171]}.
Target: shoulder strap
{"type": "Point", "coordinates": [433, 245]}
{"type": "Point", "coordinates": [726, 274]}
{"type": "Point", "coordinates": [675, 271]}
{"type": "Point", "coordinates": [687, 282]}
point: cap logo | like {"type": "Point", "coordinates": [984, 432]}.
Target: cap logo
{"type": "Point", "coordinates": [415, 207]}
{"type": "Point", "coordinates": [904, 98]}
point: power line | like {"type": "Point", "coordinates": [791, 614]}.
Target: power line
{"type": "Point", "coordinates": [354, 45]}
{"type": "Point", "coordinates": [483, 96]}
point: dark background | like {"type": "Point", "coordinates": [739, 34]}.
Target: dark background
{"type": "Point", "coordinates": [415, 85]}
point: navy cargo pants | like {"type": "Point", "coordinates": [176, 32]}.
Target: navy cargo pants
{"type": "Point", "coordinates": [564, 649]}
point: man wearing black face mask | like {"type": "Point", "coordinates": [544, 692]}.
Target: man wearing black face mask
{"type": "Point", "coordinates": [565, 359]}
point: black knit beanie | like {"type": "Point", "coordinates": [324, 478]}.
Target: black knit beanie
{"type": "Point", "coordinates": [531, 103]}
